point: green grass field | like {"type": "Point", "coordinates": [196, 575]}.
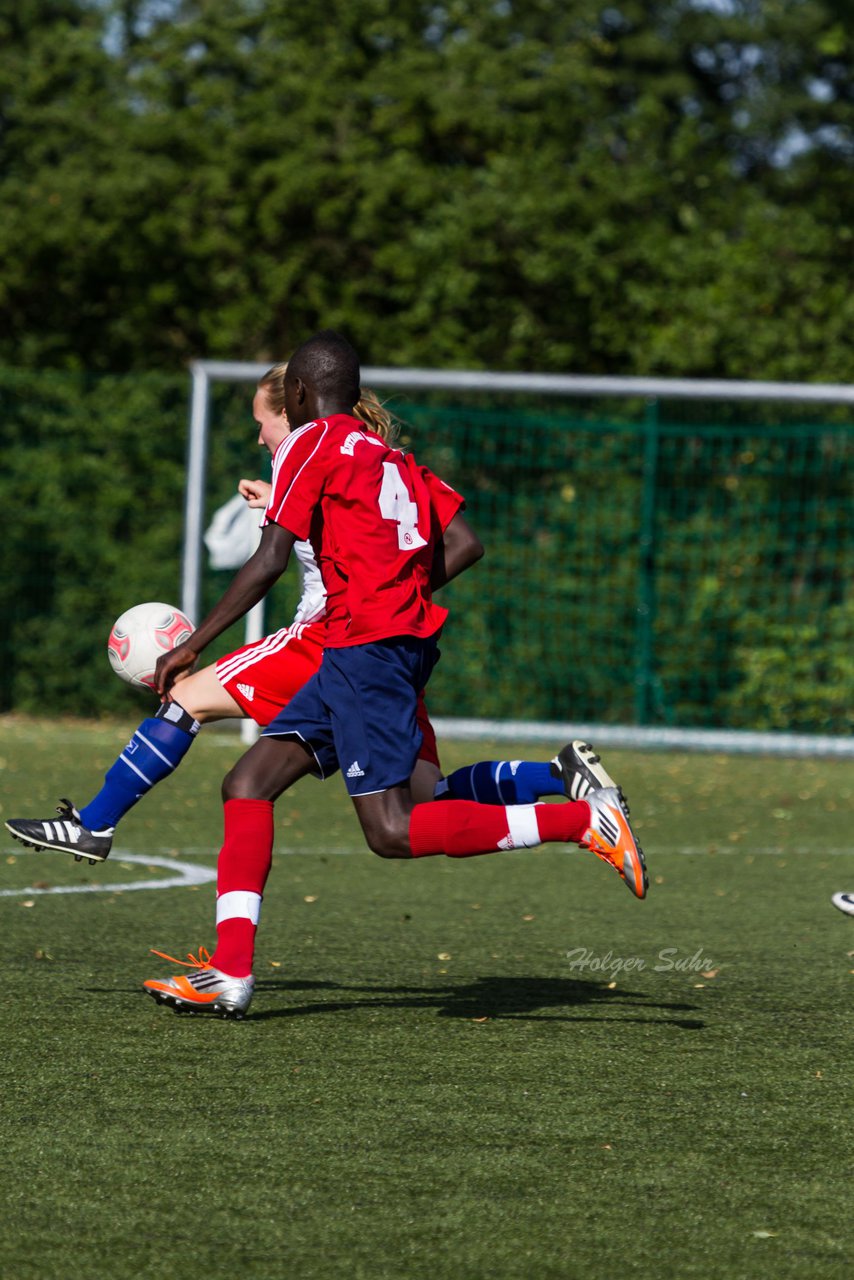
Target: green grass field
{"type": "Point", "coordinates": [505, 1067]}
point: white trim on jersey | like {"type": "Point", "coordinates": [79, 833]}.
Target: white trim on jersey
{"type": "Point", "coordinates": [281, 453]}
{"type": "Point", "coordinates": [233, 665]}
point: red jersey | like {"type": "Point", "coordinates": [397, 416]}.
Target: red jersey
{"type": "Point", "coordinates": [373, 517]}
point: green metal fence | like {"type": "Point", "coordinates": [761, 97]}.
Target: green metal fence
{"type": "Point", "coordinates": [668, 563]}
{"type": "Point", "coordinates": [655, 565]}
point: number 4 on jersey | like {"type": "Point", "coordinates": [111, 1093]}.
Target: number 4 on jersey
{"type": "Point", "coordinates": [396, 504]}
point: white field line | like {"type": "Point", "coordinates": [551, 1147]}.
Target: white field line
{"type": "Point", "coordinates": [186, 874]}
{"type": "Point", "coordinates": [653, 851]}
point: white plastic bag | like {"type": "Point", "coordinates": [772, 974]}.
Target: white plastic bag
{"type": "Point", "coordinates": [233, 534]}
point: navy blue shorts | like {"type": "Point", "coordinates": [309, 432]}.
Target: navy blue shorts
{"type": "Point", "coordinates": [358, 712]}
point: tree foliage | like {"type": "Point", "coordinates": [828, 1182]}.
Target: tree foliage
{"type": "Point", "coordinates": [629, 187]}
{"type": "Point", "coordinates": [736, 611]}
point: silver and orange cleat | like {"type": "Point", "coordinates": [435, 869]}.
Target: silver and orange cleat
{"type": "Point", "coordinates": [206, 988]}
{"type": "Point", "coordinates": [611, 839]}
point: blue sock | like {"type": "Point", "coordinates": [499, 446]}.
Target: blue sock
{"type": "Point", "coordinates": [157, 747]}
{"type": "Point", "coordinates": [500, 782]}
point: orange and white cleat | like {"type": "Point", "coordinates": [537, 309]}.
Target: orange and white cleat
{"type": "Point", "coordinates": [611, 839]}
{"type": "Point", "coordinates": [206, 988]}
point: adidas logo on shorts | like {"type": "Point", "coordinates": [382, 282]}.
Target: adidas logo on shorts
{"type": "Point", "coordinates": [354, 771]}
{"type": "Point", "coordinates": [247, 690]}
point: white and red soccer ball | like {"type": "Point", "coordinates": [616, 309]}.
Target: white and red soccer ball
{"type": "Point", "coordinates": [141, 635]}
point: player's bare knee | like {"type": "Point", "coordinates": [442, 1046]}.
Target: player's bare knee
{"type": "Point", "coordinates": [246, 781]}
{"type": "Point", "coordinates": [388, 841]}
{"type": "Point", "coordinates": [384, 850]}
{"type": "Point", "coordinates": [237, 786]}
{"type": "Point", "coordinates": [266, 770]}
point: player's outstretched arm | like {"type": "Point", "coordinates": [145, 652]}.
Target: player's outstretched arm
{"type": "Point", "coordinates": [249, 585]}
{"type": "Point", "coordinates": [458, 550]}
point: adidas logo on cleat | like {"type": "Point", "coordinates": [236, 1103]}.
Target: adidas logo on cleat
{"type": "Point", "coordinates": [206, 989]}
{"type": "Point", "coordinates": [611, 838]}
{"type": "Point", "coordinates": [65, 833]}
{"type": "Point", "coordinates": [608, 828]}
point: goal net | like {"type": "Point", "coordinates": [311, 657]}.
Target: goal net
{"type": "Point", "coordinates": [668, 563]}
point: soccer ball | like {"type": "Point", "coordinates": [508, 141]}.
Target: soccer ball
{"type": "Point", "coordinates": [141, 635]}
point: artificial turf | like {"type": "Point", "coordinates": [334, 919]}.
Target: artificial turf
{"type": "Point", "coordinates": [499, 1067]}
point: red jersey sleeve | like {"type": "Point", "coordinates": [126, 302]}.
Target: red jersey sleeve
{"type": "Point", "coordinates": [445, 502]}
{"type": "Point", "coordinates": [299, 472]}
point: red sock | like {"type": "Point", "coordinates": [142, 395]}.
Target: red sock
{"type": "Point", "coordinates": [242, 870]}
{"type": "Point", "coordinates": [462, 829]}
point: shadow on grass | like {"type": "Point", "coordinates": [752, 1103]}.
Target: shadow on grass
{"type": "Point", "coordinates": [490, 998]}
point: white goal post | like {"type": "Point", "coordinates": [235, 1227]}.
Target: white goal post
{"type": "Point", "coordinates": [206, 372]}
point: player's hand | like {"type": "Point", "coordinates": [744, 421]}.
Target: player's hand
{"type": "Point", "coordinates": [256, 492]}
{"type": "Point", "coordinates": [170, 666]}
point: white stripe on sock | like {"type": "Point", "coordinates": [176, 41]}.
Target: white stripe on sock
{"type": "Point", "coordinates": [238, 903]}
{"type": "Point", "coordinates": [522, 824]}
{"type": "Point", "coordinates": [138, 772]}
{"type": "Point", "coordinates": [154, 749]}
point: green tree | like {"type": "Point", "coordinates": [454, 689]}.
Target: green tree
{"type": "Point", "coordinates": [625, 187]}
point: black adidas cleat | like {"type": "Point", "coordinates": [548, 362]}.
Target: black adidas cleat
{"type": "Point", "coordinates": [66, 833]}
{"type": "Point", "coordinates": [582, 771]}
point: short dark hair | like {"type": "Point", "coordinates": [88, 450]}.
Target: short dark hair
{"type": "Point", "coordinates": [329, 365]}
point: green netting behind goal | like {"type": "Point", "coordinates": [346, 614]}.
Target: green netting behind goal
{"type": "Point", "coordinates": [675, 564]}
{"type": "Point", "coordinates": [678, 564]}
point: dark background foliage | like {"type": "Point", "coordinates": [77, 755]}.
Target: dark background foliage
{"type": "Point", "coordinates": [630, 187]}
{"type": "Point", "coordinates": [656, 188]}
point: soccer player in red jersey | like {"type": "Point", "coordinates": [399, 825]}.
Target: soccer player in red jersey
{"type": "Point", "coordinates": [259, 679]}
{"type": "Point", "coordinates": [386, 533]}
{"type": "Point", "coordinates": [255, 681]}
